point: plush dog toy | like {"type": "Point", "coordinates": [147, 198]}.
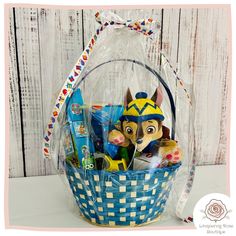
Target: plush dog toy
{"type": "Point", "coordinates": [141, 126]}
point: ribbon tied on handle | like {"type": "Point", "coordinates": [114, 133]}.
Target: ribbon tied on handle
{"type": "Point", "coordinates": [147, 27]}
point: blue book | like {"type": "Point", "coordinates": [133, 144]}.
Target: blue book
{"type": "Point", "coordinates": [79, 130]}
{"type": "Point", "coordinates": [102, 121]}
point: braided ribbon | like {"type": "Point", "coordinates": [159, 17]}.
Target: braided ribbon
{"type": "Point", "coordinates": [144, 26]}
{"type": "Point", "coordinates": [184, 195]}
{"type": "Point", "coordinates": [147, 27]}
{"type": "Point", "coordinates": [164, 61]}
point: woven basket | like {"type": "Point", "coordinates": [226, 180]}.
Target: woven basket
{"type": "Point", "coordinates": [126, 198]}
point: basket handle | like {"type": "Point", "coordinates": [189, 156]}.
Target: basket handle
{"type": "Point", "coordinates": [154, 72]}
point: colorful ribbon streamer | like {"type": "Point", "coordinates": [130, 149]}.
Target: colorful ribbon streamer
{"type": "Point", "coordinates": [166, 60]}
{"type": "Point", "coordinates": [144, 26]}
{"type": "Point", "coordinates": [189, 182]}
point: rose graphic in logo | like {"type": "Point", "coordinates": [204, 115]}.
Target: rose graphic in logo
{"type": "Point", "coordinates": [216, 210]}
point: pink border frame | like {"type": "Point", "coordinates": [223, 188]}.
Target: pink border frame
{"type": "Point", "coordinates": [97, 7]}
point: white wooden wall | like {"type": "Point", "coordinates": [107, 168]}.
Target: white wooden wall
{"type": "Point", "coordinates": [45, 43]}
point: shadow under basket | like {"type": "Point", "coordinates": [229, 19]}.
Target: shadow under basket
{"type": "Point", "coordinates": [124, 198]}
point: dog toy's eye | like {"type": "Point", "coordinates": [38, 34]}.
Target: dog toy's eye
{"type": "Point", "coordinates": [128, 130]}
{"type": "Point", "coordinates": [151, 129]}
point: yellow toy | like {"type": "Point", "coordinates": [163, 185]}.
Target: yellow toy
{"type": "Point", "coordinates": [115, 165]}
{"type": "Point", "coordinates": [108, 164]}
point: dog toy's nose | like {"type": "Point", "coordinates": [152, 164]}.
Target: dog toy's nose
{"type": "Point", "coordinates": [139, 141]}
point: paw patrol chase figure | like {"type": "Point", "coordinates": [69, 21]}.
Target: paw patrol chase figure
{"type": "Point", "coordinates": [141, 124]}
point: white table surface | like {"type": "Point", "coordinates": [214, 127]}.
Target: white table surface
{"type": "Point", "coordinates": [44, 201]}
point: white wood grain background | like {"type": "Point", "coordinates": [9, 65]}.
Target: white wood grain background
{"type": "Point", "coordinates": [44, 44]}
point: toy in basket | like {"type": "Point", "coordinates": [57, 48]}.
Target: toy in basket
{"type": "Point", "coordinates": [120, 158]}
{"type": "Point", "coordinates": [141, 127]}
{"type": "Point", "coordinates": [116, 193]}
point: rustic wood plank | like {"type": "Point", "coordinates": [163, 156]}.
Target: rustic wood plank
{"type": "Point", "coordinates": [61, 43]}
{"type": "Point", "coordinates": [16, 167]}
{"type": "Point", "coordinates": [31, 88]}
{"type": "Point", "coordinates": [170, 34]}
{"type": "Point", "coordinates": [210, 83]}
{"type": "Point", "coordinates": [169, 45]}
{"type": "Point", "coordinates": [186, 42]}
{"type": "Point", "coordinates": [203, 62]}
{"type": "Point", "coordinates": [223, 54]}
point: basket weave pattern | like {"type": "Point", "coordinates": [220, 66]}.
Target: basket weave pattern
{"type": "Point", "coordinates": [121, 198]}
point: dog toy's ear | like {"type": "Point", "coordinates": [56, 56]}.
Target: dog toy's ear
{"type": "Point", "coordinates": [128, 97]}
{"type": "Point", "coordinates": [166, 132]}
{"type": "Point", "coordinates": [157, 97]}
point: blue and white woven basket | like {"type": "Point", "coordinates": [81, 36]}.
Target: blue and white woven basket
{"type": "Point", "coordinates": [124, 198]}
